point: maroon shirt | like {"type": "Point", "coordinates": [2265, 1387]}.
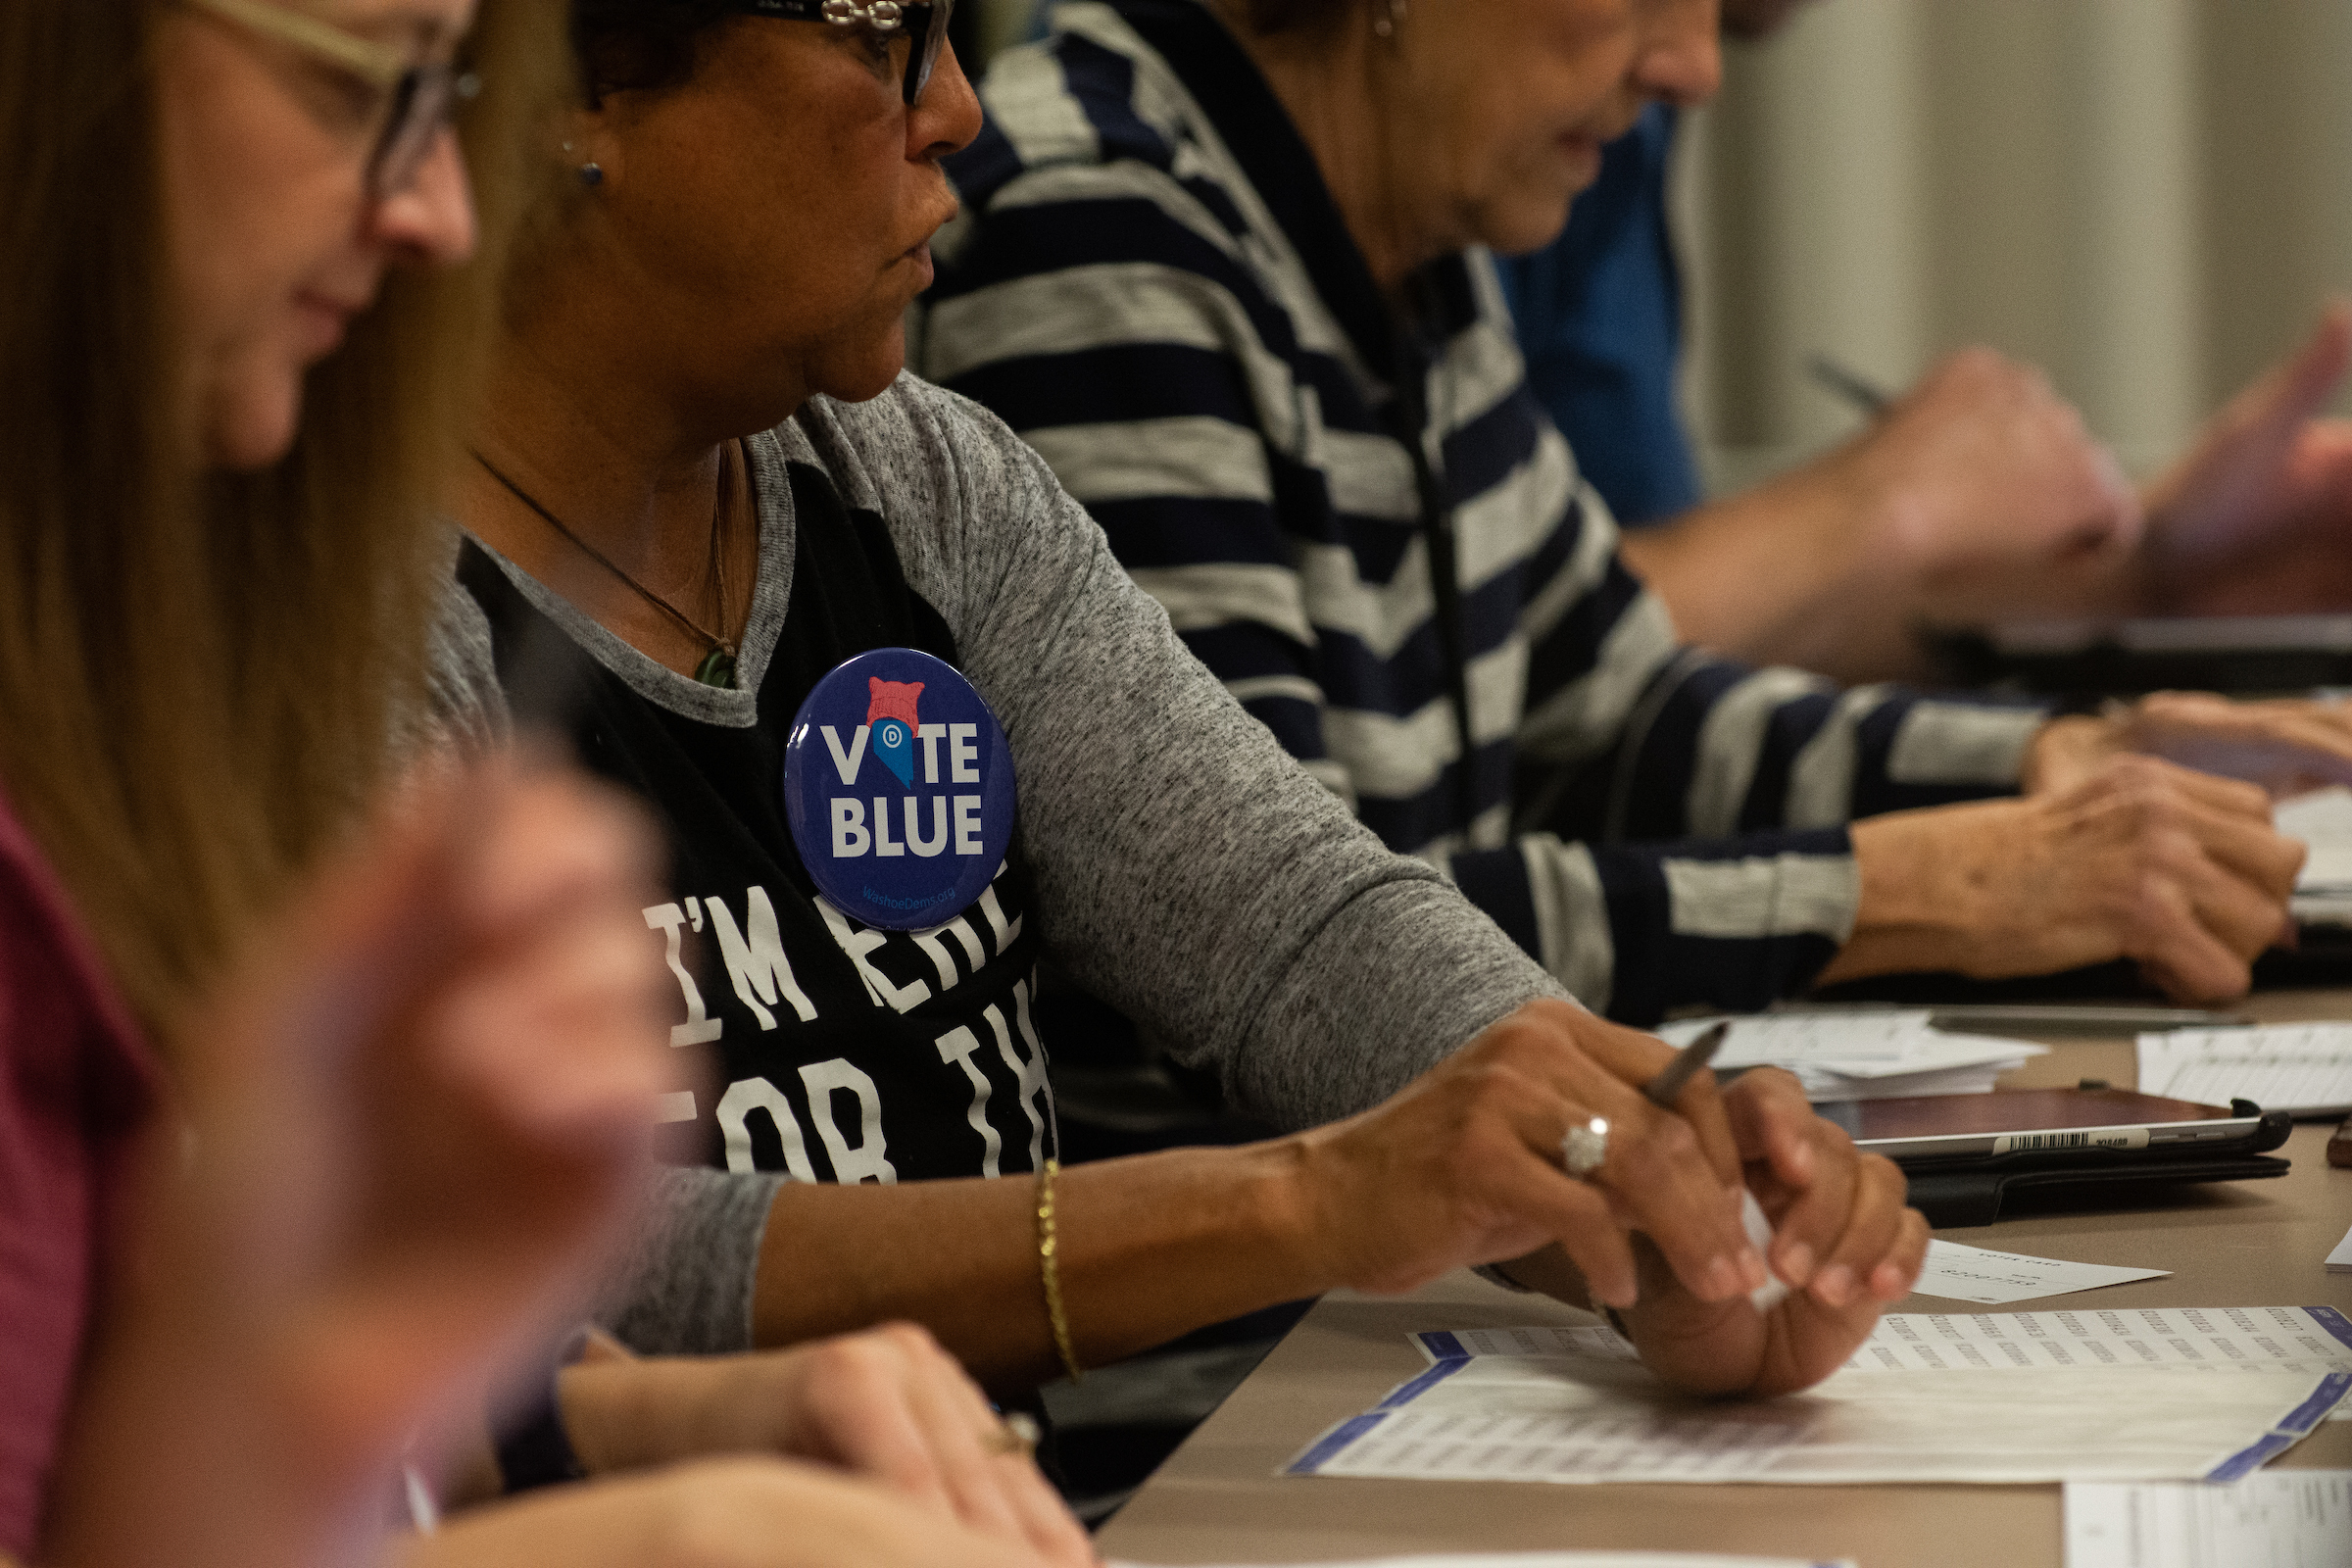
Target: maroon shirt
{"type": "Point", "coordinates": [76, 1083]}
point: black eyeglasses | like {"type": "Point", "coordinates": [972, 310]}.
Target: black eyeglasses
{"type": "Point", "coordinates": [421, 100]}
{"type": "Point", "coordinates": [924, 21]}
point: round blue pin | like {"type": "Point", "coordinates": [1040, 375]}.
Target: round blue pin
{"type": "Point", "coordinates": [899, 789]}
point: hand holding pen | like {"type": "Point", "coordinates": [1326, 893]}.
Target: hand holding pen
{"type": "Point", "coordinates": [1843, 1245]}
{"type": "Point", "coordinates": [1584, 1149]}
{"type": "Point", "coordinates": [1662, 1091]}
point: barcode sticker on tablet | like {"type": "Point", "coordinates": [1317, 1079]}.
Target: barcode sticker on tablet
{"type": "Point", "coordinates": [2089, 1138]}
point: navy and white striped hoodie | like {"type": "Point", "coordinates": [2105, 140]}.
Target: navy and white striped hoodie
{"type": "Point", "coordinates": [1151, 283]}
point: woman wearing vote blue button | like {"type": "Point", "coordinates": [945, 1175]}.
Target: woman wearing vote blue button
{"type": "Point", "coordinates": [701, 465]}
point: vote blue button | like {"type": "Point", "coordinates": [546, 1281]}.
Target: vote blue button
{"type": "Point", "coordinates": [899, 788]}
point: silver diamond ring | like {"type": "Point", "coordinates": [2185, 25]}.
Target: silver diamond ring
{"type": "Point", "coordinates": [1585, 1147]}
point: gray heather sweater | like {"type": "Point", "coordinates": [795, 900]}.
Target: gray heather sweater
{"type": "Point", "coordinates": [1187, 870]}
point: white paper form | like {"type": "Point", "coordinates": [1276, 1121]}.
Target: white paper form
{"type": "Point", "coordinates": [1575, 1559]}
{"type": "Point", "coordinates": [2322, 822]}
{"type": "Point", "coordinates": [2307, 1340]}
{"type": "Point", "coordinates": [1959, 1273]}
{"type": "Point", "coordinates": [1584, 1420]}
{"type": "Point", "coordinates": [1862, 1055]}
{"type": "Point", "coordinates": [2303, 1340]}
{"type": "Point", "coordinates": [2301, 1067]}
{"type": "Point", "coordinates": [2272, 1519]}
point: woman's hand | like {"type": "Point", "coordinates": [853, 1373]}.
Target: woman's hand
{"type": "Point", "coordinates": [429, 1103]}
{"type": "Point", "coordinates": [1842, 1241]}
{"type": "Point", "coordinates": [888, 1405]}
{"type": "Point", "coordinates": [2286, 746]}
{"type": "Point", "coordinates": [716, 1513]}
{"type": "Point", "coordinates": [1980, 480]}
{"type": "Point", "coordinates": [416, 1113]}
{"type": "Point", "coordinates": [1463, 1166]}
{"type": "Point", "coordinates": [2256, 516]}
{"type": "Point", "coordinates": [2141, 860]}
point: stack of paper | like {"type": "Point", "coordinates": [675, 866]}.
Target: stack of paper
{"type": "Point", "coordinates": [2339, 1262]}
{"type": "Point", "coordinates": [1862, 1056]}
{"type": "Point", "coordinates": [2305, 1068]}
{"type": "Point", "coordinates": [2322, 820]}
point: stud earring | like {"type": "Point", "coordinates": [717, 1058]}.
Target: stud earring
{"type": "Point", "coordinates": [591, 174]}
{"type": "Point", "coordinates": [1384, 24]}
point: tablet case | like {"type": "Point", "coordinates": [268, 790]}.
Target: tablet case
{"type": "Point", "coordinates": [1959, 1193]}
{"type": "Point", "coordinates": [1957, 1198]}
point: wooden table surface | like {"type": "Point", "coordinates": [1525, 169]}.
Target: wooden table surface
{"type": "Point", "coordinates": [1219, 1500]}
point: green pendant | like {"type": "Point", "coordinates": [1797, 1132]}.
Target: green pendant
{"type": "Point", "coordinates": [717, 668]}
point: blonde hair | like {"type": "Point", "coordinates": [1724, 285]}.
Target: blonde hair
{"type": "Point", "coordinates": [200, 677]}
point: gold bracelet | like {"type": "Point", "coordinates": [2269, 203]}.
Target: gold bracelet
{"type": "Point", "coordinates": [1046, 1248]}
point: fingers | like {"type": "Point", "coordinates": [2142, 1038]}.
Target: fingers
{"type": "Point", "coordinates": [892, 1403]}
{"type": "Point", "coordinates": [1044, 1518]}
{"type": "Point", "coordinates": [2241, 841]}
{"type": "Point", "coordinates": [2019, 480]}
{"type": "Point", "coordinates": [2281, 746]}
{"type": "Point", "coordinates": [1575, 1213]}
{"type": "Point", "coordinates": [558, 1031]}
{"type": "Point", "coordinates": [1807, 1157]}
{"type": "Point", "coordinates": [1668, 1172]}
{"type": "Point", "coordinates": [1872, 1254]}
{"type": "Point", "coordinates": [995, 1490]}
{"type": "Point", "coordinates": [539, 841]}
{"type": "Point", "coordinates": [2117, 522]}
{"type": "Point", "coordinates": [2186, 962]}
{"type": "Point", "coordinates": [1658, 1180]}
{"type": "Point", "coordinates": [2193, 877]}
{"type": "Point", "coordinates": [1466, 1165]}
{"type": "Point", "coordinates": [1844, 1232]}
{"type": "Point", "coordinates": [843, 1400]}
{"type": "Point", "coordinates": [2240, 886]}
{"type": "Point", "coordinates": [1898, 1273]}
{"type": "Point", "coordinates": [2194, 928]}
{"type": "Point", "coordinates": [1629, 1059]}
{"type": "Point", "coordinates": [2212, 791]}
{"type": "Point", "coordinates": [2299, 386]}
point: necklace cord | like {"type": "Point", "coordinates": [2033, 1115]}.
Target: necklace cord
{"type": "Point", "coordinates": [717, 644]}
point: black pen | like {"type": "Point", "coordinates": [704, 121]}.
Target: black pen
{"type": "Point", "coordinates": [1667, 1086]}
{"type": "Point", "coordinates": [1859, 390]}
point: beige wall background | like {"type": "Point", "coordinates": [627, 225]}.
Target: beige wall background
{"type": "Point", "coordinates": [2148, 198]}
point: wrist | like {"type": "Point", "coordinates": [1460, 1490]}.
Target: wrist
{"type": "Point", "coordinates": [1918, 908]}
{"type": "Point", "coordinates": [1888, 525]}
{"type": "Point", "coordinates": [1302, 1211]}
{"type": "Point", "coordinates": [640, 1414]}
{"type": "Point", "coordinates": [1307, 1210]}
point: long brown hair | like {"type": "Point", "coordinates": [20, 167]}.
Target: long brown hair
{"type": "Point", "coordinates": [200, 678]}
